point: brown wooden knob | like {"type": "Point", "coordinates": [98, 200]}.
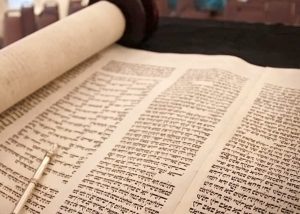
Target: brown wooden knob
{"type": "Point", "coordinates": [141, 19]}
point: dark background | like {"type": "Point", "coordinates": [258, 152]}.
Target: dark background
{"type": "Point", "coordinates": [274, 45]}
{"type": "Point", "coordinates": [263, 11]}
{"type": "Point", "coordinates": [262, 32]}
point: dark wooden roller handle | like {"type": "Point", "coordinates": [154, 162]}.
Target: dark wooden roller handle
{"type": "Point", "coordinates": [141, 19]}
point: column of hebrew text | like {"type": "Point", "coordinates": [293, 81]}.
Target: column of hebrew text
{"type": "Point", "coordinates": [258, 170]}
{"type": "Point", "coordinates": [139, 174]}
{"type": "Point", "coordinates": [79, 122]}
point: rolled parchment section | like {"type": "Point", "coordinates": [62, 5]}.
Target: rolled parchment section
{"type": "Point", "coordinates": [35, 60]}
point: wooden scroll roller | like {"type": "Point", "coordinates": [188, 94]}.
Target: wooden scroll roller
{"type": "Point", "coordinates": [141, 19]}
{"type": "Point", "coordinates": [35, 60]}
